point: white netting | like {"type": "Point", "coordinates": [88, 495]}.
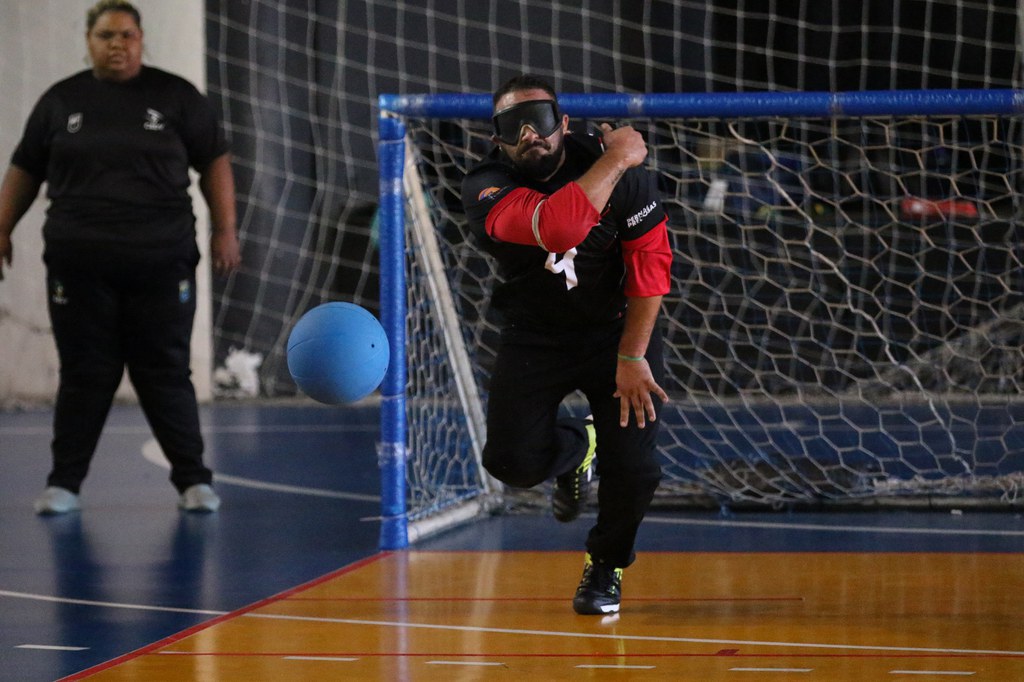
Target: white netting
{"type": "Point", "coordinates": [847, 311]}
{"type": "Point", "coordinates": [298, 82]}
{"type": "Point", "coordinates": [445, 412]}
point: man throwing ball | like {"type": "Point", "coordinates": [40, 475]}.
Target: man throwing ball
{"type": "Point", "coordinates": [581, 243]}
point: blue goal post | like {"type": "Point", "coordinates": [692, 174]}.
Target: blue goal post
{"type": "Point", "coordinates": [395, 108]}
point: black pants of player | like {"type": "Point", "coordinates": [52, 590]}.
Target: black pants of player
{"type": "Point", "coordinates": [527, 442]}
{"type": "Point", "coordinates": [110, 312]}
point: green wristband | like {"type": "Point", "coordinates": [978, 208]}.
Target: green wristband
{"type": "Point", "coordinates": [631, 358]}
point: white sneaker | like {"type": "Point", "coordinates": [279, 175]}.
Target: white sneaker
{"type": "Point", "coordinates": [56, 500]}
{"type": "Point", "coordinates": [199, 498]}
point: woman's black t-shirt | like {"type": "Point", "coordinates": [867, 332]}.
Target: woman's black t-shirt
{"type": "Point", "coordinates": [116, 157]}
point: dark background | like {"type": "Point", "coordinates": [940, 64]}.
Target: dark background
{"type": "Point", "coordinates": [298, 81]}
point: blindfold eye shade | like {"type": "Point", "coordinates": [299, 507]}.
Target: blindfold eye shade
{"type": "Point", "coordinates": [539, 114]}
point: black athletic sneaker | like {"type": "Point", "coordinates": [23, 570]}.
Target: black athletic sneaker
{"type": "Point", "coordinates": [600, 590]}
{"type": "Point", "coordinates": [571, 489]}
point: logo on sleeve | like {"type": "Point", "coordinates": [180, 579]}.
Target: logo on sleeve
{"type": "Point", "coordinates": [488, 193]}
{"type": "Point", "coordinates": [639, 216]}
{"type": "Point", "coordinates": [154, 120]}
{"type": "Point", "coordinates": [75, 122]}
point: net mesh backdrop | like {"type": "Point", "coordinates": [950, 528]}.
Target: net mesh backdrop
{"type": "Point", "coordinates": [297, 83]}
{"type": "Point", "coordinates": [846, 318]}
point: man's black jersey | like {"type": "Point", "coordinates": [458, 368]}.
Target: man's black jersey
{"type": "Point", "coordinates": [584, 286]}
{"type": "Point", "coordinates": [116, 156]}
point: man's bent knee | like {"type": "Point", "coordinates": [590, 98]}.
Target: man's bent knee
{"type": "Point", "coordinates": [511, 470]}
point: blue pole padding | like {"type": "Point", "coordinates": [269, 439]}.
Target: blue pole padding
{"type": "Point", "coordinates": [391, 150]}
{"type": "Point", "coordinates": [731, 105]}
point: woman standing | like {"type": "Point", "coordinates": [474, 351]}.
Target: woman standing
{"type": "Point", "coordinates": [114, 145]}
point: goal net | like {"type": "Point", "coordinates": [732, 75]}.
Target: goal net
{"type": "Point", "coordinates": [846, 319]}
{"type": "Point", "coordinates": [298, 85]}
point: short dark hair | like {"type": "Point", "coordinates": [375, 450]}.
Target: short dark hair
{"type": "Point", "coordinates": [104, 6]}
{"type": "Point", "coordinates": [524, 82]}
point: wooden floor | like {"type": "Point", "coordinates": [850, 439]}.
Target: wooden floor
{"type": "Point", "coordinates": [285, 581]}
{"type": "Point", "coordinates": [709, 616]}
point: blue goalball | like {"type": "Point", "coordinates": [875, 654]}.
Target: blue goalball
{"type": "Point", "coordinates": [338, 353]}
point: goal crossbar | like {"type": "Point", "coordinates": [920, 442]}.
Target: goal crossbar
{"type": "Point", "coordinates": [727, 105]}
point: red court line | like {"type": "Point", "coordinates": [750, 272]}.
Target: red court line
{"type": "Point", "coordinates": [531, 599]}
{"type": "Point", "coordinates": [177, 637]}
{"type": "Point", "coordinates": [728, 653]}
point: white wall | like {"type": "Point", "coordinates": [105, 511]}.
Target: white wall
{"type": "Point", "coordinates": [42, 41]}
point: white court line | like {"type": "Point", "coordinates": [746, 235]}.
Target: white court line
{"type": "Point", "coordinates": [832, 528]}
{"type": "Point", "coordinates": [518, 632]}
{"type": "Point", "coordinates": [144, 430]}
{"type": "Point", "coordinates": [107, 604]}
{"type": "Point", "coordinates": [635, 638]}
{"type": "Point", "coordinates": [931, 672]}
{"type": "Point", "coordinates": [616, 667]}
{"type": "Point", "coordinates": [32, 431]}
{"type": "Point", "coordinates": [152, 453]}
{"type": "Point", "coordinates": [51, 647]}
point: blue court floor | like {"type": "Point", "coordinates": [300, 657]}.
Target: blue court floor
{"type": "Point", "coordinates": [300, 498]}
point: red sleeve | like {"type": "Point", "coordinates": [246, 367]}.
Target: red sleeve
{"type": "Point", "coordinates": [554, 222]}
{"type": "Point", "coordinates": [648, 261]}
